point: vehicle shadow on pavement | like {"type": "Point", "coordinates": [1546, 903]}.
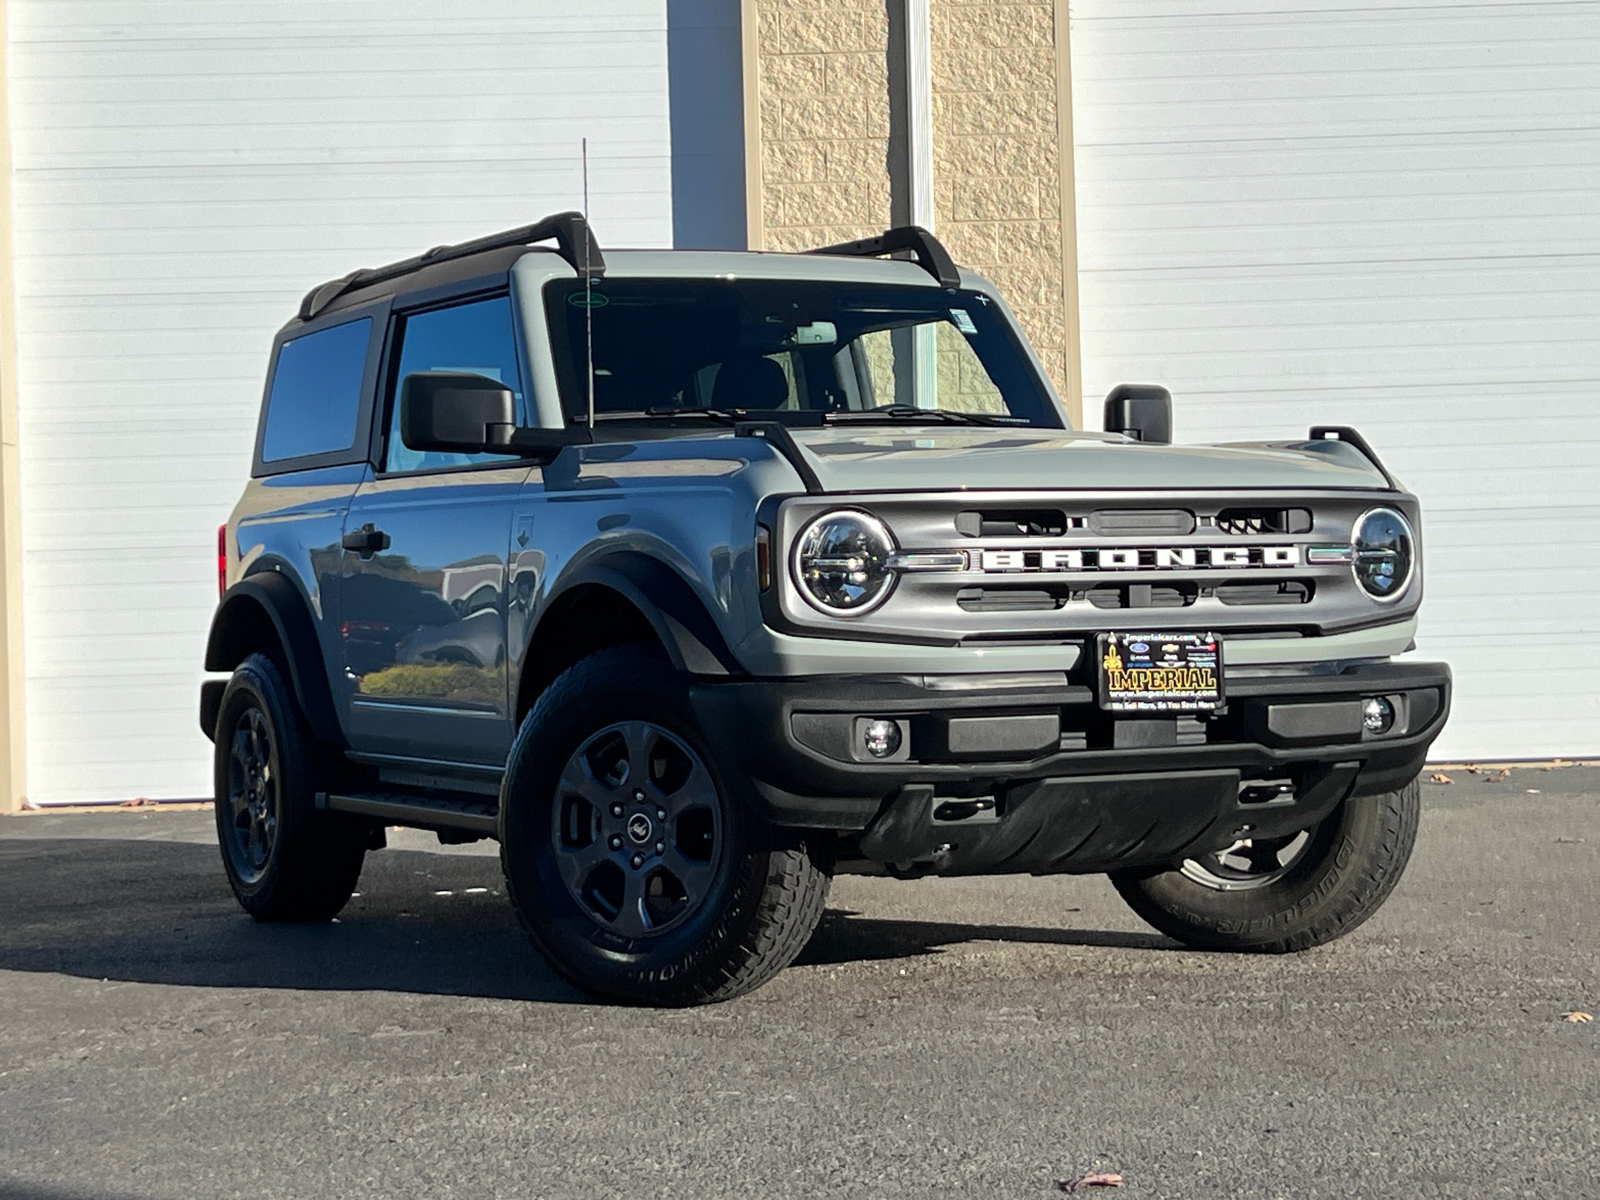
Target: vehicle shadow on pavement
{"type": "Point", "coordinates": [15, 1189]}
{"type": "Point", "coordinates": [845, 937]}
{"type": "Point", "coordinates": [160, 912]}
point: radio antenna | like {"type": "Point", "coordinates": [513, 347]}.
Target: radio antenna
{"type": "Point", "coordinates": [588, 286]}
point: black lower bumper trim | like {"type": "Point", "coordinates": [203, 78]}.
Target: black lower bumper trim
{"type": "Point", "coordinates": [826, 781]}
{"type": "Point", "coordinates": [1096, 823]}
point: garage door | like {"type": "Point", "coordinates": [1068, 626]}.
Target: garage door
{"type": "Point", "coordinates": [184, 171]}
{"type": "Point", "coordinates": [1381, 216]}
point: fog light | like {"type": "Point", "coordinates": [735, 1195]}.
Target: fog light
{"type": "Point", "coordinates": [882, 738]}
{"type": "Point", "coordinates": [1377, 715]}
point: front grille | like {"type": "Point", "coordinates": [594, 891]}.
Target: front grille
{"type": "Point", "coordinates": [1015, 522]}
{"type": "Point", "coordinates": [1143, 595]}
{"type": "Point", "coordinates": [1141, 522]}
{"type": "Point", "coordinates": [977, 599]}
{"type": "Point", "coordinates": [1027, 568]}
{"type": "Point", "coordinates": [1240, 521]}
{"type": "Point", "coordinates": [1015, 599]}
{"type": "Point", "coordinates": [1287, 591]}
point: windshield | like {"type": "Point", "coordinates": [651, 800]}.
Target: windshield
{"type": "Point", "coordinates": [805, 350]}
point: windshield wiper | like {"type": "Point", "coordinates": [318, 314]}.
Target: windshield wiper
{"type": "Point", "coordinates": [802, 417]}
{"type": "Point", "coordinates": [897, 414]}
{"type": "Point", "coordinates": [906, 413]}
{"type": "Point", "coordinates": [726, 416]}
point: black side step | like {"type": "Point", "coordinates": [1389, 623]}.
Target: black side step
{"type": "Point", "coordinates": [395, 808]}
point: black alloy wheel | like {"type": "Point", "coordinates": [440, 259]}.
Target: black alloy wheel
{"type": "Point", "coordinates": [284, 860]}
{"type": "Point", "coordinates": [637, 829]}
{"type": "Point", "coordinates": [1288, 893]}
{"type": "Point", "coordinates": [251, 823]}
{"type": "Point", "coordinates": [630, 857]}
{"type": "Point", "coordinates": [1251, 863]}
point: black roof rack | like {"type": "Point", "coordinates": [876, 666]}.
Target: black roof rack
{"type": "Point", "coordinates": [574, 242]}
{"type": "Point", "coordinates": [925, 248]}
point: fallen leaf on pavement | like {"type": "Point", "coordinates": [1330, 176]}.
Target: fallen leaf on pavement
{"type": "Point", "coordinates": [1471, 768]}
{"type": "Point", "coordinates": [1577, 1018]}
{"type": "Point", "coordinates": [1440, 777]}
{"type": "Point", "coordinates": [1093, 1179]}
{"type": "Point", "coordinates": [1504, 774]}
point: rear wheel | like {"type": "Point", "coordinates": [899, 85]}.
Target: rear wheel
{"type": "Point", "coordinates": [285, 860]}
{"type": "Point", "coordinates": [1288, 893]}
{"type": "Point", "coordinates": [629, 864]}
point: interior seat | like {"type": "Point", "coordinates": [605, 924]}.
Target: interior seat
{"type": "Point", "coordinates": [750, 383]}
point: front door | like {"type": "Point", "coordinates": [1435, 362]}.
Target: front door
{"type": "Point", "coordinates": [422, 601]}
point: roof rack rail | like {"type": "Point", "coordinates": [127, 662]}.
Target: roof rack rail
{"type": "Point", "coordinates": [574, 242]}
{"type": "Point", "coordinates": [930, 255]}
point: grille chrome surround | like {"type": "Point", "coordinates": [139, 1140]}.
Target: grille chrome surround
{"type": "Point", "coordinates": [961, 585]}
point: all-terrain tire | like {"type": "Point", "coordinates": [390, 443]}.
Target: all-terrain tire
{"type": "Point", "coordinates": [285, 860]}
{"type": "Point", "coordinates": [764, 893]}
{"type": "Point", "coordinates": [1350, 864]}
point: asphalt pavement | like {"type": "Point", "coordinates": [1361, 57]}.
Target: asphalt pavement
{"type": "Point", "coordinates": [951, 1038]}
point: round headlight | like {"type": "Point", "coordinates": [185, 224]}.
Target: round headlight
{"type": "Point", "coordinates": [841, 562]}
{"type": "Point", "coordinates": [1385, 553]}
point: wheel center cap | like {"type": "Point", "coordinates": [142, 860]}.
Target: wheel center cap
{"type": "Point", "coordinates": [639, 829]}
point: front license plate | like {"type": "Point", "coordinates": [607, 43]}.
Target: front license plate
{"type": "Point", "coordinates": [1160, 672]}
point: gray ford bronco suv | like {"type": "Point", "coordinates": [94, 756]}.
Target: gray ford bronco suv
{"type": "Point", "coordinates": [695, 577]}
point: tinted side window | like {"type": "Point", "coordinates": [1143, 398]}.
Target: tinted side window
{"type": "Point", "coordinates": [476, 339]}
{"type": "Point", "coordinates": [316, 392]}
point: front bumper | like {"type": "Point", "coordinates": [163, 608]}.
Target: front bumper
{"type": "Point", "coordinates": [1040, 779]}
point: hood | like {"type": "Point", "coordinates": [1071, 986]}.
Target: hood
{"type": "Point", "coordinates": [923, 459]}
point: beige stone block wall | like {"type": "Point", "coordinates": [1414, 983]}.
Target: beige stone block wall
{"type": "Point", "coordinates": [996, 158]}
{"type": "Point", "coordinates": [824, 120]}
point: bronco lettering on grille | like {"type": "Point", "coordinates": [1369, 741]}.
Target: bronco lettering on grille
{"type": "Point", "coordinates": [1159, 558]}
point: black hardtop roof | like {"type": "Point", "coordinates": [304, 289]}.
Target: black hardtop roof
{"type": "Point", "coordinates": [576, 244]}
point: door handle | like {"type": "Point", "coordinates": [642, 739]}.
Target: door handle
{"type": "Point", "coordinates": [366, 541]}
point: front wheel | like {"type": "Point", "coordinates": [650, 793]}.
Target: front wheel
{"type": "Point", "coordinates": [1282, 894]}
{"type": "Point", "coordinates": [629, 864]}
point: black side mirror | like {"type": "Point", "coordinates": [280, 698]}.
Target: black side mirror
{"type": "Point", "coordinates": [468, 414]}
{"type": "Point", "coordinates": [445, 411]}
{"type": "Point", "coordinates": [1143, 411]}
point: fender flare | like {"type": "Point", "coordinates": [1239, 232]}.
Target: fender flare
{"type": "Point", "coordinates": [271, 595]}
{"type": "Point", "coordinates": [682, 624]}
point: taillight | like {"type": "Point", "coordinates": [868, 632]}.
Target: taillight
{"type": "Point", "coordinates": [222, 559]}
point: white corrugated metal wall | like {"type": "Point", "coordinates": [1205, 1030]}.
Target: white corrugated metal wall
{"type": "Point", "coordinates": [184, 171]}
{"type": "Point", "coordinates": [1380, 215]}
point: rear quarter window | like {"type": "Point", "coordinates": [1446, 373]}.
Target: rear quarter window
{"type": "Point", "coordinates": [315, 404]}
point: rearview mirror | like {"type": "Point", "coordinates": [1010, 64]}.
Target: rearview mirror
{"type": "Point", "coordinates": [450, 412]}
{"type": "Point", "coordinates": [1142, 411]}
{"type": "Point", "coordinates": [817, 333]}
